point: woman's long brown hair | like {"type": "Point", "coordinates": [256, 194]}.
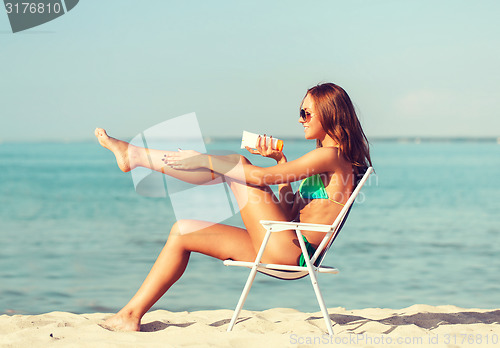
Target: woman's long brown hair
{"type": "Point", "coordinates": [339, 120]}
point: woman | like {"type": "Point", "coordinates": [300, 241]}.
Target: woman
{"type": "Point", "coordinates": [330, 172]}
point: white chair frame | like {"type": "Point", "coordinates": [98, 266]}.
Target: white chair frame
{"type": "Point", "coordinates": [313, 264]}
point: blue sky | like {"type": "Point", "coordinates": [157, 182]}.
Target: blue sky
{"type": "Point", "coordinates": [412, 68]}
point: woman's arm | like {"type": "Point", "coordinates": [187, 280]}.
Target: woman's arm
{"type": "Point", "coordinates": [320, 160]}
{"type": "Point", "coordinates": [317, 161]}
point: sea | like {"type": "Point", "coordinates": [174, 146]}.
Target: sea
{"type": "Point", "coordinates": [77, 236]}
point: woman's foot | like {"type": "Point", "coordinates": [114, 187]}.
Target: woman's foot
{"type": "Point", "coordinates": [118, 147]}
{"type": "Point", "coordinates": [122, 322]}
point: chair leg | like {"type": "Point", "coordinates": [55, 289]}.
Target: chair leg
{"type": "Point", "coordinates": [243, 297]}
{"type": "Point", "coordinates": [249, 282]}
{"type": "Point", "coordinates": [315, 285]}
{"type": "Point", "coordinates": [321, 303]}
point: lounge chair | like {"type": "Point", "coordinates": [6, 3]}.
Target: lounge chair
{"type": "Point", "coordinates": [313, 264]}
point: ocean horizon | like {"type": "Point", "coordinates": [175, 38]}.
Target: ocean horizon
{"type": "Point", "coordinates": [237, 138]}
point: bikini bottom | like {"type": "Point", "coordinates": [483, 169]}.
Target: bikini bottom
{"type": "Point", "coordinates": [310, 252]}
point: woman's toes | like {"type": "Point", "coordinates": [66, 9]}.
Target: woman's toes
{"type": "Point", "coordinates": [99, 132]}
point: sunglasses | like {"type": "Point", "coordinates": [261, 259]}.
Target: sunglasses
{"type": "Point", "coordinates": [304, 115]}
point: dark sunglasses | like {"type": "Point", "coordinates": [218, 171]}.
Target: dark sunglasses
{"type": "Point", "coordinates": [303, 115]}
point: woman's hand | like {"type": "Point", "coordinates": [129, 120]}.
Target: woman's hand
{"type": "Point", "coordinates": [186, 160]}
{"type": "Point", "coordinates": [265, 149]}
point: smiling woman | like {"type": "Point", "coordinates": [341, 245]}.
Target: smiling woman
{"type": "Point", "coordinates": [338, 120]}
{"type": "Point", "coordinates": [329, 173]}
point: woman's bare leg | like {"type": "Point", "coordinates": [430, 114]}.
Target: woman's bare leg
{"type": "Point", "coordinates": [216, 240]}
{"type": "Point", "coordinates": [129, 157]}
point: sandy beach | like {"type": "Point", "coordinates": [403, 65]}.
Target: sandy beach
{"type": "Point", "coordinates": [418, 325]}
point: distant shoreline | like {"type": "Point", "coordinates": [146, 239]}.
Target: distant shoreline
{"type": "Point", "coordinates": [436, 139]}
{"type": "Point", "coordinates": [411, 139]}
{"type": "Point", "coordinates": [375, 139]}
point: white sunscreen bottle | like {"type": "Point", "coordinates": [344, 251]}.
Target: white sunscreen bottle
{"type": "Point", "coordinates": [251, 139]}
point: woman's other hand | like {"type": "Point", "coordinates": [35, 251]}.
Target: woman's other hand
{"type": "Point", "coordinates": [265, 149]}
{"type": "Point", "coordinates": [185, 160]}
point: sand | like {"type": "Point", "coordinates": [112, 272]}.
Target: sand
{"type": "Point", "coordinates": [418, 325]}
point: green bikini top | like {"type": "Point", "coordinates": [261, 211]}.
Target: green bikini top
{"type": "Point", "coordinates": [313, 188]}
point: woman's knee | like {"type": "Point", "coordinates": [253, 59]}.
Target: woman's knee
{"type": "Point", "coordinates": [176, 238]}
{"type": "Point", "coordinates": [180, 228]}
{"type": "Point", "coordinates": [184, 227]}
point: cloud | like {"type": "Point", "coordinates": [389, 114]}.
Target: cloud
{"type": "Point", "coordinates": [428, 102]}
{"type": "Point", "coordinates": [445, 112]}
